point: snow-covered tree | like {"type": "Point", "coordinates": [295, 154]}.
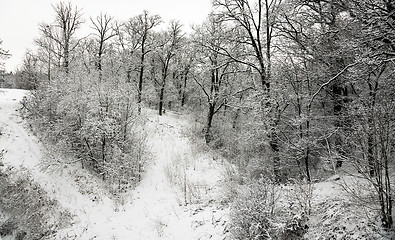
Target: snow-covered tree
{"type": "Point", "coordinates": [3, 56]}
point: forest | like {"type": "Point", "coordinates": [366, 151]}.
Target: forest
{"type": "Point", "coordinates": [290, 92]}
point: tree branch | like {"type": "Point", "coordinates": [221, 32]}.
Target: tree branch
{"type": "Point", "coordinates": [329, 82]}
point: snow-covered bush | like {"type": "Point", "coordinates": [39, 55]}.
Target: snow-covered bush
{"type": "Point", "coordinates": [265, 210]}
{"type": "Point", "coordinates": [340, 218]}
{"type": "Point", "coordinates": [96, 121]}
{"type": "Point", "coordinates": [232, 179]}
{"type": "Point", "coordinates": [297, 201]}
{"type": "Point", "coordinates": [254, 213]}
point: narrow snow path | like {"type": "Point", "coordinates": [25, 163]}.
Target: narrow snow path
{"type": "Point", "coordinates": [19, 144]}
{"type": "Point", "coordinates": [156, 207]}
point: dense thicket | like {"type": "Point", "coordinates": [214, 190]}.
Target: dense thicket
{"type": "Point", "coordinates": [82, 103]}
{"type": "Point", "coordinates": [285, 89]}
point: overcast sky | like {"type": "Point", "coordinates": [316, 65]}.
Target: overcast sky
{"type": "Point", "coordinates": [19, 19]}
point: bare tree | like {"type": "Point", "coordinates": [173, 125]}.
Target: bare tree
{"type": "Point", "coordinates": [103, 31]}
{"type": "Point", "coordinates": [61, 32]}
{"type": "Point", "coordinates": [209, 39]}
{"type": "Point", "coordinates": [135, 38]}
{"type": "Point", "coordinates": [46, 53]}
{"type": "Point", "coordinates": [372, 130]}
{"type": "Point", "coordinates": [29, 73]}
{"type": "Point", "coordinates": [185, 61]}
{"type": "Point", "coordinates": [3, 55]}
{"type": "Point", "coordinates": [255, 21]}
{"type": "Point", "coordinates": [168, 44]}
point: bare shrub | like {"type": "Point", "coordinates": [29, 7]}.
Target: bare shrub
{"type": "Point", "coordinates": [340, 218]}
{"type": "Point", "coordinates": [265, 210]}
{"type": "Point", "coordinates": [298, 198]}
{"type": "Point", "coordinates": [254, 213]}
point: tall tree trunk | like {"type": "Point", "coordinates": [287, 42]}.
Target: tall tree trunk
{"type": "Point", "coordinates": [184, 90]}
{"type": "Point", "coordinates": [207, 129]}
{"type": "Point", "coordinates": [140, 91]}
{"type": "Point", "coordinates": [307, 153]}
{"type": "Point", "coordinates": [161, 97]}
{"type": "Point", "coordinates": [237, 114]}
{"type": "Point", "coordinates": [141, 77]}
{"type": "Point", "coordinates": [307, 136]}
{"type": "Point", "coordinates": [370, 151]}
{"type": "Point", "coordinates": [99, 62]}
{"type": "Point", "coordinates": [371, 126]}
{"type": "Point", "coordinates": [162, 89]}
{"type": "Point", "coordinates": [274, 137]}
{"type": "Point", "coordinates": [389, 218]}
{"type": "Point", "coordinates": [66, 57]}
{"type": "Point", "coordinates": [49, 67]}
{"type": "Point", "coordinates": [337, 110]}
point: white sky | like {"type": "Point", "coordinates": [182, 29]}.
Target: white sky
{"type": "Point", "coordinates": [19, 19]}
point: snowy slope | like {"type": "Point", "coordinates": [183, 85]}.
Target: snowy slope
{"type": "Point", "coordinates": [159, 207]}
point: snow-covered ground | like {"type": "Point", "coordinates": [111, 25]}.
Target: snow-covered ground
{"type": "Point", "coordinates": [182, 194]}
{"type": "Point", "coordinates": [179, 196]}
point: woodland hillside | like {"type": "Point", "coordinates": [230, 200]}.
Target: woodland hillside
{"type": "Point", "coordinates": [293, 101]}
